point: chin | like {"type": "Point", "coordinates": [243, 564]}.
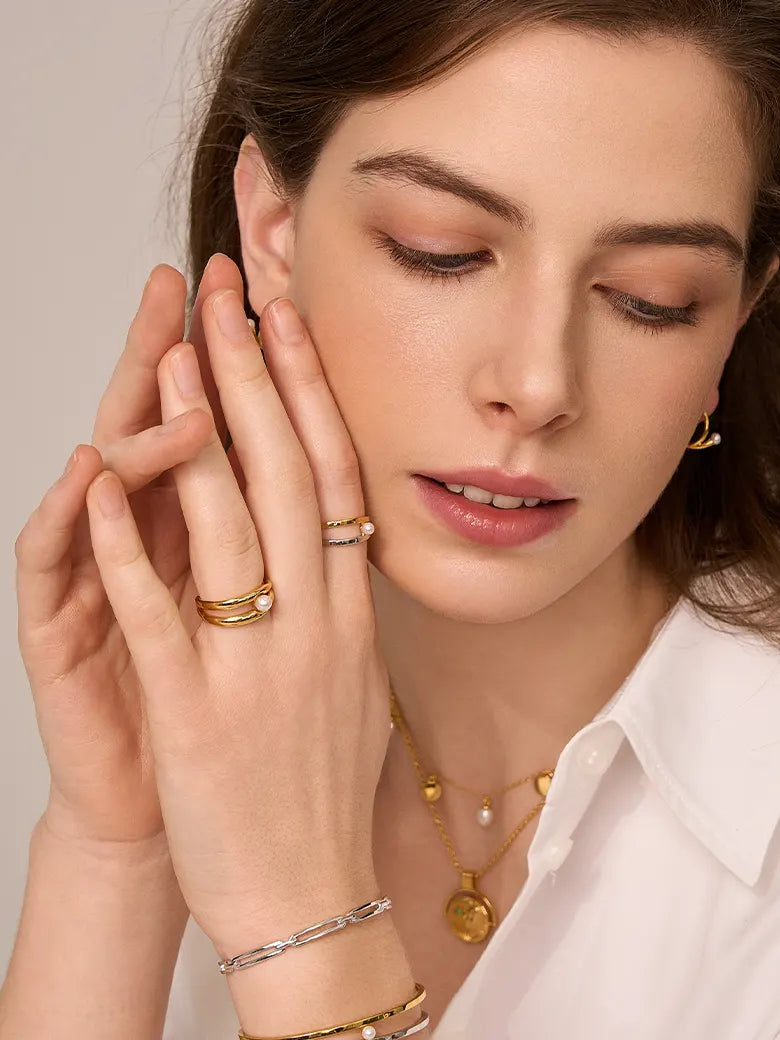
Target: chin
{"type": "Point", "coordinates": [474, 590]}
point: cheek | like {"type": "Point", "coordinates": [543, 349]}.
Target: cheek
{"type": "Point", "coordinates": [371, 363]}
{"type": "Point", "coordinates": [646, 399]}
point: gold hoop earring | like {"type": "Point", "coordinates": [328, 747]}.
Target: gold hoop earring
{"type": "Point", "coordinates": [705, 441]}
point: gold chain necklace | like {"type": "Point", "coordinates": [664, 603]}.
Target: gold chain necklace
{"type": "Point", "coordinates": [470, 913]}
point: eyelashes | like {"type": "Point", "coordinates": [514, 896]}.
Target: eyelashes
{"type": "Point", "coordinates": [440, 267]}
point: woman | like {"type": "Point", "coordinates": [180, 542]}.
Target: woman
{"type": "Point", "coordinates": [533, 247]}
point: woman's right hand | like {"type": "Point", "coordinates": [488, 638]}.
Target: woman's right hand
{"type": "Point", "coordinates": [87, 698]}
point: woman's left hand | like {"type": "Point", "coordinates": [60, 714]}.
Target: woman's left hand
{"type": "Point", "coordinates": [268, 738]}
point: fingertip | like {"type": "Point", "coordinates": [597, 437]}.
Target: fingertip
{"type": "Point", "coordinates": [77, 464]}
{"type": "Point", "coordinates": [107, 492]}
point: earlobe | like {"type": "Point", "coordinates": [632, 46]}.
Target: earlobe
{"type": "Point", "coordinates": [265, 223]}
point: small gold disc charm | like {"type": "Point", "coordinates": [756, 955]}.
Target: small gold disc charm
{"type": "Point", "coordinates": [543, 781]}
{"type": "Point", "coordinates": [470, 913]}
{"type": "Point", "coordinates": [432, 789]}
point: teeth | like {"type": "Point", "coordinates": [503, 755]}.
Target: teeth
{"type": "Point", "coordinates": [475, 494]}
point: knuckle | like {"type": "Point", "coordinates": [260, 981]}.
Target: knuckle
{"type": "Point", "coordinates": [126, 556]}
{"type": "Point", "coordinates": [150, 615]}
{"type": "Point", "coordinates": [309, 376]}
{"type": "Point", "coordinates": [344, 468]}
{"type": "Point", "coordinates": [299, 479]}
{"type": "Point", "coordinates": [20, 545]}
{"type": "Point", "coordinates": [248, 383]}
{"type": "Point", "coordinates": [241, 543]}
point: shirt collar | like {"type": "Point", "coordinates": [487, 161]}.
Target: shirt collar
{"type": "Point", "coordinates": [702, 712]}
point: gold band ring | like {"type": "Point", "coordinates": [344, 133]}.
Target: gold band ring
{"type": "Point", "coordinates": [262, 598]}
{"type": "Point", "coordinates": [365, 525]}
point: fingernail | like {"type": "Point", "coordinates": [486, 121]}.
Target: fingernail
{"type": "Point", "coordinates": [286, 321]}
{"type": "Point", "coordinates": [110, 497]}
{"type": "Point", "coordinates": [231, 318]}
{"type": "Point", "coordinates": [211, 261]}
{"type": "Point", "coordinates": [186, 374]}
{"type": "Point", "coordinates": [68, 466]}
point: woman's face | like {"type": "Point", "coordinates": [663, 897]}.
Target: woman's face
{"type": "Point", "coordinates": [530, 361]}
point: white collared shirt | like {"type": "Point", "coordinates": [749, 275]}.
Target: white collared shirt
{"type": "Point", "coordinates": [652, 905]}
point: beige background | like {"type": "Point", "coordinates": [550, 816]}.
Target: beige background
{"type": "Point", "coordinates": [94, 96]}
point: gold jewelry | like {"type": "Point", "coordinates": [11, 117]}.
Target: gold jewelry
{"type": "Point", "coordinates": [703, 441]}
{"type": "Point", "coordinates": [419, 996]}
{"type": "Point", "coordinates": [262, 597]}
{"type": "Point", "coordinates": [470, 913]}
{"type": "Point", "coordinates": [432, 791]}
{"type": "Point", "coordinates": [365, 525]}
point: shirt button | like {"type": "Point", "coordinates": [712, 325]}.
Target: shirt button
{"type": "Point", "coordinates": [556, 852]}
{"type": "Point", "coordinates": [594, 758]}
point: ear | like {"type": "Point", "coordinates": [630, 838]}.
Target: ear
{"type": "Point", "coordinates": [266, 225]}
{"type": "Point", "coordinates": [758, 292]}
{"type": "Point", "coordinates": [713, 397]}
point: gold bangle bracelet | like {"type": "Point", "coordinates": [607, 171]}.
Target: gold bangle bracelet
{"type": "Point", "coordinates": [419, 996]}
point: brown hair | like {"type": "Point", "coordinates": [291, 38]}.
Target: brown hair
{"type": "Point", "coordinates": [288, 72]}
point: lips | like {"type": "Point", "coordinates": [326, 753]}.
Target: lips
{"type": "Point", "coordinates": [488, 525]}
{"type": "Point", "coordinates": [500, 483]}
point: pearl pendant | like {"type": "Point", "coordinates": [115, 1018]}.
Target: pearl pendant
{"type": "Point", "coordinates": [263, 602]}
{"type": "Point", "coordinates": [485, 814]}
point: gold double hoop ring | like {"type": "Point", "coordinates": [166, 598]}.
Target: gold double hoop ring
{"type": "Point", "coordinates": [262, 598]}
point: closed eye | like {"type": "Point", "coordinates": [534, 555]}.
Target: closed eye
{"type": "Point", "coordinates": [444, 267]}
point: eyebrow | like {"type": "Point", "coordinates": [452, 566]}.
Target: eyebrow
{"type": "Point", "coordinates": [429, 172]}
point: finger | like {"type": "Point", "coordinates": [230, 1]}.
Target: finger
{"type": "Point", "coordinates": [43, 546]}
{"type": "Point", "coordinates": [225, 554]}
{"type": "Point", "coordinates": [140, 459]}
{"type": "Point", "coordinates": [280, 491]}
{"type": "Point", "coordinates": [221, 273]}
{"type": "Point", "coordinates": [166, 661]}
{"type": "Point", "coordinates": [130, 402]}
{"type": "Point", "coordinates": [298, 376]}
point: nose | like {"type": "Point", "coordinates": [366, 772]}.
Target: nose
{"type": "Point", "coordinates": [532, 366]}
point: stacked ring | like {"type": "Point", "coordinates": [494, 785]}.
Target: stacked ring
{"type": "Point", "coordinates": [262, 598]}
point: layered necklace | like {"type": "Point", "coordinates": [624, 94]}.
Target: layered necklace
{"type": "Point", "coordinates": [469, 912]}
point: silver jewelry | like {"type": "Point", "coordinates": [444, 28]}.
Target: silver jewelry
{"type": "Point", "coordinates": [369, 1033]}
{"type": "Point", "coordinates": [364, 525]}
{"type": "Point", "coordinates": [360, 913]}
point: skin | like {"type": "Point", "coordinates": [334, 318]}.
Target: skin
{"type": "Point", "coordinates": [526, 359]}
{"type": "Point", "coordinates": [570, 392]}
{"type": "Point", "coordinates": [491, 650]}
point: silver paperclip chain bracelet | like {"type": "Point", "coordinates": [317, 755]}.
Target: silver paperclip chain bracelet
{"type": "Point", "coordinates": [262, 953]}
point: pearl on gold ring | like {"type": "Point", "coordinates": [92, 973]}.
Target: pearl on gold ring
{"type": "Point", "coordinates": [263, 602]}
{"type": "Point", "coordinates": [368, 1033]}
{"type": "Point", "coordinates": [368, 527]}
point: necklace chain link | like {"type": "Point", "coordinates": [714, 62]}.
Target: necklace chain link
{"type": "Point", "coordinates": [398, 718]}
